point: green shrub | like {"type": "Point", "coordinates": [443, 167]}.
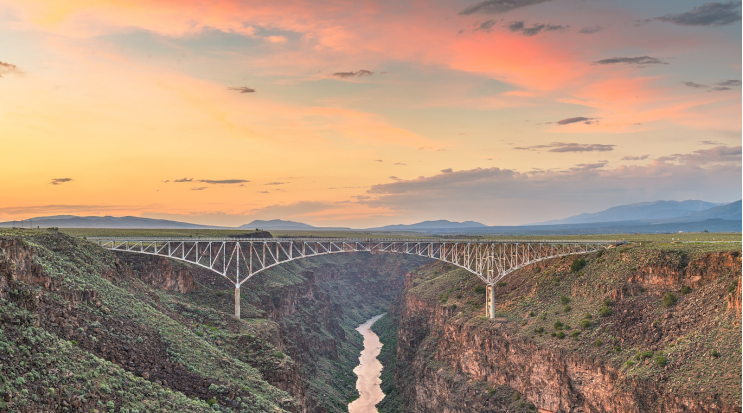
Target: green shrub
{"type": "Point", "coordinates": [661, 361]}
{"type": "Point", "coordinates": [598, 342]}
{"type": "Point", "coordinates": [685, 290]}
{"type": "Point", "coordinates": [500, 284]}
{"type": "Point", "coordinates": [539, 330]}
{"type": "Point", "coordinates": [714, 354]}
{"type": "Point", "coordinates": [585, 324]}
{"type": "Point", "coordinates": [531, 313]}
{"type": "Point", "coordinates": [279, 355]}
{"type": "Point", "coordinates": [617, 349]}
{"type": "Point", "coordinates": [211, 401]}
{"type": "Point", "coordinates": [553, 334]}
{"type": "Point", "coordinates": [644, 355]}
{"type": "Point", "coordinates": [575, 334]}
{"type": "Point", "coordinates": [669, 299]}
{"type": "Point", "coordinates": [558, 325]}
{"type": "Point", "coordinates": [604, 311]}
{"type": "Point", "coordinates": [607, 302]}
{"type": "Point", "coordinates": [599, 254]}
{"type": "Point", "coordinates": [587, 316]}
{"type": "Point", "coordinates": [567, 308]}
{"type": "Point", "coordinates": [630, 363]}
{"type": "Point", "coordinates": [733, 286]}
{"type": "Point", "coordinates": [561, 335]}
{"type": "Point", "coordinates": [480, 289]}
{"type": "Point", "coordinates": [564, 299]}
{"type": "Point", "coordinates": [578, 264]}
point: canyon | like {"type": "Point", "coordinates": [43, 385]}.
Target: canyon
{"type": "Point", "coordinates": [604, 337]}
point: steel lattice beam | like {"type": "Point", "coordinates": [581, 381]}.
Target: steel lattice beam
{"type": "Point", "coordinates": [240, 259]}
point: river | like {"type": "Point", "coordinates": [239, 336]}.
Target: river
{"type": "Point", "coordinates": [368, 371]}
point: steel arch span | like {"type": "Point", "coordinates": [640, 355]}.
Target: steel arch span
{"type": "Point", "coordinates": [238, 260]}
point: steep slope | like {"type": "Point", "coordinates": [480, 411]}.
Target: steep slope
{"type": "Point", "coordinates": [148, 334]}
{"type": "Point", "coordinates": [637, 329]}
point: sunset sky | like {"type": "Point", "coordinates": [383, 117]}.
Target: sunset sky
{"type": "Point", "coordinates": [366, 113]}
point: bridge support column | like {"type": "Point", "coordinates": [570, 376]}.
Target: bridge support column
{"type": "Point", "coordinates": [237, 302]}
{"type": "Point", "coordinates": [490, 301]}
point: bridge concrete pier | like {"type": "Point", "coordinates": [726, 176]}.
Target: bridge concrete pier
{"type": "Point", "coordinates": [237, 301]}
{"type": "Point", "coordinates": [490, 300]}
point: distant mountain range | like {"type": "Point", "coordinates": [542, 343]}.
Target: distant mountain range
{"type": "Point", "coordinates": [431, 225]}
{"type": "Point", "coordinates": [72, 221]}
{"type": "Point", "coordinates": [285, 225]}
{"type": "Point", "coordinates": [638, 211]}
{"type": "Point", "coordinates": [645, 217]}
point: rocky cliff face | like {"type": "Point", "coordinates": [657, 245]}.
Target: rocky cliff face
{"type": "Point", "coordinates": [308, 309]}
{"type": "Point", "coordinates": [160, 272]}
{"type": "Point", "coordinates": [607, 339]}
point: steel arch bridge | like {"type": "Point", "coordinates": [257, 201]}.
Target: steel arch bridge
{"type": "Point", "coordinates": [238, 260]}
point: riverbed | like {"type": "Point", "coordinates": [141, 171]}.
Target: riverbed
{"type": "Point", "coordinates": [368, 371]}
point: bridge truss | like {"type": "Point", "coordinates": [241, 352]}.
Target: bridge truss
{"type": "Point", "coordinates": [238, 260]}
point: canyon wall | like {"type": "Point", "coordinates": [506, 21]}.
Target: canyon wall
{"type": "Point", "coordinates": [626, 344]}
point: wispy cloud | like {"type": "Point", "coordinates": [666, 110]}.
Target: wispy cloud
{"type": "Point", "coordinates": [58, 181]}
{"type": "Point", "coordinates": [635, 158]}
{"type": "Point", "coordinates": [569, 147]}
{"type": "Point", "coordinates": [276, 183]}
{"type": "Point", "coordinates": [498, 6]}
{"type": "Point", "coordinates": [9, 68]}
{"type": "Point", "coordinates": [520, 27]}
{"type": "Point", "coordinates": [213, 181]}
{"type": "Point", "coordinates": [708, 14]}
{"type": "Point", "coordinates": [590, 29]}
{"type": "Point", "coordinates": [358, 73]}
{"type": "Point", "coordinates": [717, 87]}
{"type": "Point", "coordinates": [577, 119]}
{"type": "Point", "coordinates": [223, 181]}
{"type": "Point", "coordinates": [242, 89]}
{"type": "Point", "coordinates": [638, 60]}
{"type": "Point", "coordinates": [201, 188]}
{"type": "Point", "coordinates": [400, 164]}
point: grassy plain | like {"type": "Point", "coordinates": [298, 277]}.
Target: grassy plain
{"type": "Point", "coordinates": [222, 233]}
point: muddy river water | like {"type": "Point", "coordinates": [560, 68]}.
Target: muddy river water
{"type": "Point", "coordinates": [368, 371]}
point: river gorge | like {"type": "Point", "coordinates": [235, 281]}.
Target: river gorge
{"type": "Point", "coordinates": [643, 328]}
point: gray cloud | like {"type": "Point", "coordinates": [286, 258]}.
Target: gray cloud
{"type": "Point", "coordinates": [223, 181]}
{"type": "Point", "coordinates": [638, 60]}
{"type": "Point", "coordinates": [447, 171]}
{"type": "Point", "coordinates": [394, 178]}
{"type": "Point", "coordinates": [635, 158]}
{"type": "Point", "coordinates": [590, 29]}
{"type": "Point", "coordinates": [184, 180]}
{"type": "Point", "coordinates": [400, 164]}
{"type": "Point", "coordinates": [508, 197]}
{"type": "Point", "coordinates": [498, 6]}
{"type": "Point", "coordinates": [731, 82]}
{"type": "Point", "coordinates": [9, 68]}
{"type": "Point", "coordinates": [520, 27]}
{"type": "Point", "coordinates": [577, 119]}
{"type": "Point", "coordinates": [708, 14]}
{"type": "Point", "coordinates": [242, 89]}
{"type": "Point", "coordinates": [710, 143]}
{"type": "Point", "coordinates": [719, 86]}
{"type": "Point", "coordinates": [569, 147]}
{"type": "Point", "coordinates": [486, 26]}
{"type": "Point", "coordinates": [201, 188]}
{"type": "Point", "coordinates": [57, 181]}
{"type": "Point", "coordinates": [695, 85]}
{"type": "Point", "coordinates": [277, 183]}
{"type": "Point", "coordinates": [358, 73]}
{"type": "Point", "coordinates": [700, 157]}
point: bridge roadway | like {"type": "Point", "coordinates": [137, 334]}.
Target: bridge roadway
{"type": "Point", "coordinates": [239, 259]}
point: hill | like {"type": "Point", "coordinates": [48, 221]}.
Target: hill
{"type": "Point", "coordinates": [441, 224]}
{"type": "Point", "coordinates": [637, 212]}
{"type": "Point", "coordinates": [72, 221]}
